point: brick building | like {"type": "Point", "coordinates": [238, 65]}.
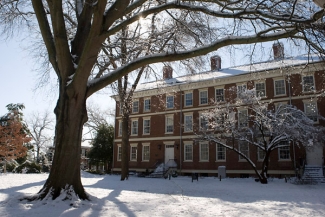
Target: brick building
{"type": "Point", "coordinates": [166, 113]}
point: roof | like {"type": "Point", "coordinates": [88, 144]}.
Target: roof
{"type": "Point", "coordinates": [232, 71]}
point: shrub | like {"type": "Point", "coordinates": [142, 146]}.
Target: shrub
{"type": "Point", "coordinates": [28, 167]}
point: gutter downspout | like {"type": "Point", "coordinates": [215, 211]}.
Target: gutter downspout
{"type": "Point", "coordinates": [180, 128]}
{"type": "Point", "coordinates": [293, 143]}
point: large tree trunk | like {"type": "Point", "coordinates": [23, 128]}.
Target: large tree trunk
{"type": "Point", "coordinates": [125, 148]}
{"type": "Point", "coordinates": [71, 114]}
{"type": "Point", "coordinates": [265, 167]}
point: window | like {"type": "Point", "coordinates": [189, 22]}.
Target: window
{"type": "Point", "coordinates": [244, 149]}
{"type": "Point", "coordinates": [203, 97]}
{"type": "Point", "coordinates": [260, 89]}
{"type": "Point", "coordinates": [279, 87]}
{"type": "Point", "coordinates": [133, 152]}
{"type": "Point", "coordinates": [145, 152]}
{"type": "Point", "coordinates": [134, 127]}
{"type": "Point", "coordinates": [188, 120]}
{"type": "Point", "coordinates": [119, 153]}
{"type": "Point", "coordinates": [121, 108]}
{"type": "Point", "coordinates": [242, 118]}
{"type": "Point", "coordinates": [169, 124]}
{"type": "Point", "coordinates": [188, 99]}
{"type": "Point", "coordinates": [204, 122]}
{"type": "Point", "coordinates": [260, 154]}
{"type": "Point", "coordinates": [135, 107]}
{"type": "Point", "coordinates": [308, 83]}
{"type": "Point", "coordinates": [221, 153]}
{"type": "Point", "coordinates": [170, 102]}
{"type": "Point", "coordinates": [204, 152]}
{"type": "Point", "coordinates": [146, 126]}
{"type": "Point", "coordinates": [147, 105]}
{"type": "Point", "coordinates": [188, 152]}
{"type": "Point", "coordinates": [284, 151]}
{"type": "Point", "coordinates": [219, 95]}
{"type": "Point", "coordinates": [311, 110]}
{"type": "Point", "coordinates": [241, 90]}
{"type": "Point", "coordinates": [120, 128]}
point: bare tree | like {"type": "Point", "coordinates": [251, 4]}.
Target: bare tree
{"type": "Point", "coordinates": [39, 124]}
{"type": "Point", "coordinates": [262, 126]}
{"type": "Point", "coordinates": [77, 32]}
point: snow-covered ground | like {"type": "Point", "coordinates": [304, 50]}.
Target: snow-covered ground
{"type": "Point", "coordinates": [163, 197]}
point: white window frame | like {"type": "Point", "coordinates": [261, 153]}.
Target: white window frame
{"type": "Point", "coordinates": [133, 107]}
{"type": "Point", "coordinates": [133, 127]}
{"type": "Point", "coordinates": [240, 143]}
{"type": "Point", "coordinates": [259, 152]}
{"type": "Point", "coordinates": [311, 114]}
{"type": "Point", "coordinates": [203, 98]}
{"type": "Point", "coordinates": [242, 124]}
{"type": "Point", "coordinates": [284, 87]}
{"type": "Point", "coordinates": [146, 153]}
{"type": "Point", "coordinates": [241, 88]}
{"type": "Point", "coordinates": [201, 119]}
{"type": "Point", "coordinates": [202, 154]}
{"type": "Point", "coordinates": [120, 128]}
{"type": "Point", "coordinates": [286, 149]}
{"type": "Point", "coordinates": [309, 88]}
{"type": "Point", "coordinates": [121, 108]}
{"type": "Point", "coordinates": [119, 152]}
{"type": "Point", "coordinates": [146, 105]}
{"type": "Point", "coordinates": [133, 156]}
{"type": "Point", "coordinates": [188, 100]}
{"type": "Point", "coordinates": [188, 151]}
{"type": "Point", "coordinates": [218, 96]}
{"type": "Point", "coordinates": [258, 91]}
{"type": "Point", "coordinates": [188, 127]}
{"type": "Point", "coordinates": [169, 119]}
{"type": "Point", "coordinates": [144, 126]}
{"type": "Point", "coordinates": [224, 151]}
{"type": "Point", "coordinates": [169, 102]}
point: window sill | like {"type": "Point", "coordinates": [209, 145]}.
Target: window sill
{"type": "Point", "coordinates": [204, 161]}
{"type": "Point", "coordinates": [188, 161]}
{"type": "Point", "coordinates": [284, 160]}
{"type": "Point", "coordinates": [217, 161]}
{"type": "Point", "coordinates": [169, 132]}
{"type": "Point", "coordinates": [280, 95]}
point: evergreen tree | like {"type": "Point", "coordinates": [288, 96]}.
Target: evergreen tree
{"type": "Point", "coordinates": [102, 150]}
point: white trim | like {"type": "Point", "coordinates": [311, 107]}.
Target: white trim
{"type": "Point", "coordinates": [303, 84]}
{"type": "Point", "coordinates": [188, 114]}
{"type": "Point", "coordinates": [134, 120]}
{"type": "Point", "coordinates": [132, 145]}
{"type": "Point", "coordinates": [145, 145]}
{"type": "Point", "coordinates": [167, 117]}
{"type": "Point", "coordinates": [144, 104]}
{"type": "Point", "coordinates": [203, 90]}
{"type": "Point", "coordinates": [188, 144]}
{"type": "Point", "coordinates": [135, 100]}
{"type": "Point", "coordinates": [285, 87]}
{"type": "Point", "coordinates": [187, 92]}
{"type": "Point", "coordinates": [200, 146]}
{"type": "Point", "coordinates": [143, 126]}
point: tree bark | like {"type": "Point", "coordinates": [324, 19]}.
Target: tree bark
{"type": "Point", "coordinates": [265, 167]}
{"type": "Point", "coordinates": [125, 146]}
{"type": "Point", "coordinates": [71, 114]}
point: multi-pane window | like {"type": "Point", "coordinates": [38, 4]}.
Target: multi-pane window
{"type": "Point", "coordinates": [260, 89]}
{"type": "Point", "coordinates": [135, 107]}
{"type": "Point", "coordinates": [244, 149]}
{"type": "Point", "coordinates": [170, 102]}
{"type": "Point", "coordinates": [188, 120]}
{"type": "Point", "coordinates": [204, 152]}
{"type": "Point", "coordinates": [204, 122]}
{"type": "Point", "coordinates": [146, 126]}
{"type": "Point", "coordinates": [241, 90]}
{"type": "Point", "coordinates": [279, 87]}
{"type": "Point", "coordinates": [120, 128]}
{"type": "Point", "coordinates": [145, 152]}
{"type": "Point", "coordinates": [284, 151]}
{"type": "Point", "coordinates": [220, 95]}
{"type": "Point", "coordinates": [169, 124]}
{"type": "Point", "coordinates": [260, 154]}
{"type": "Point", "coordinates": [119, 153]}
{"type": "Point", "coordinates": [134, 127]}
{"type": "Point", "coordinates": [147, 105]}
{"type": "Point", "coordinates": [133, 153]}
{"type": "Point", "coordinates": [221, 152]}
{"type": "Point", "coordinates": [242, 118]}
{"type": "Point", "coordinates": [308, 83]}
{"type": "Point", "coordinates": [121, 108]}
{"type": "Point", "coordinates": [311, 111]}
{"type": "Point", "coordinates": [203, 97]}
{"type": "Point", "coordinates": [188, 152]}
{"type": "Point", "coordinates": [189, 99]}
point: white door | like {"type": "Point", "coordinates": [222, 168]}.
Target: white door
{"type": "Point", "coordinates": [169, 153]}
{"type": "Point", "coordinates": [314, 155]}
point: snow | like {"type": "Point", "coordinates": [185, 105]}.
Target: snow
{"type": "Point", "coordinates": [163, 197]}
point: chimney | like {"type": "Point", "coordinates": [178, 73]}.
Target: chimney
{"type": "Point", "coordinates": [215, 63]}
{"type": "Point", "coordinates": [167, 72]}
{"type": "Point", "coordinates": [278, 51]}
